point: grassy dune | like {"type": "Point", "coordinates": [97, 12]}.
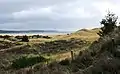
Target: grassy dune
{"type": "Point", "coordinates": [57, 48]}
{"type": "Point", "coordinates": [85, 34]}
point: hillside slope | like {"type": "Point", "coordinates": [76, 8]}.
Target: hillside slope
{"type": "Point", "coordinates": [102, 57]}
{"type": "Point", "coordinates": [84, 34]}
{"type": "Point", "coordinates": [59, 48]}
{"type": "Point", "coordinates": [105, 55]}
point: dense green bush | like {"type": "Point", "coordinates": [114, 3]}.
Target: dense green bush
{"type": "Point", "coordinates": [109, 23]}
{"type": "Point", "coordinates": [65, 62]}
{"type": "Point", "coordinates": [25, 61]}
{"type": "Point", "coordinates": [25, 39]}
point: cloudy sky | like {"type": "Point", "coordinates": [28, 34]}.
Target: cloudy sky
{"type": "Point", "coordinates": [54, 14]}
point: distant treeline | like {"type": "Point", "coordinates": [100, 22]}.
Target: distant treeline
{"type": "Point", "coordinates": [28, 31]}
{"type": "Point", "coordinates": [24, 38]}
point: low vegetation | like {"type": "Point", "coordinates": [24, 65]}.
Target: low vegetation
{"type": "Point", "coordinates": [17, 55]}
{"type": "Point", "coordinates": [95, 51]}
{"type": "Point", "coordinates": [28, 60]}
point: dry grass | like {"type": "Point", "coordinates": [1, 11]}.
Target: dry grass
{"type": "Point", "coordinates": [89, 35]}
{"type": "Point", "coordinates": [80, 35]}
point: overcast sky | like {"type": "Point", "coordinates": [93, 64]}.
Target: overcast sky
{"type": "Point", "coordinates": [54, 14]}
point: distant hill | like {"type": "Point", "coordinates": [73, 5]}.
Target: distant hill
{"type": "Point", "coordinates": [27, 31]}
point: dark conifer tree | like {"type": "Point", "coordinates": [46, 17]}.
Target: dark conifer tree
{"type": "Point", "coordinates": [109, 23]}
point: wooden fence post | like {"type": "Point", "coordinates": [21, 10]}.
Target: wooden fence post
{"type": "Point", "coordinates": [113, 45]}
{"type": "Point", "coordinates": [72, 55]}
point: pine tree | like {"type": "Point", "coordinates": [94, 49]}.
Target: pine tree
{"type": "Point", "coordinates": [109, 23]}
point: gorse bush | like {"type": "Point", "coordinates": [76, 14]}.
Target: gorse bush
{"type": "Point", "coordinates": [25, 61]}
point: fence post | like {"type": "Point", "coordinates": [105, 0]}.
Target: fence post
{"type": "Point", "coordinates": [72, 55]}
{"type": "Point", "coordinates": [113, 45]}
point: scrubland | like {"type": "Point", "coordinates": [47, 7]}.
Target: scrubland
{"type": "Point", "coordinates": [42, 51]}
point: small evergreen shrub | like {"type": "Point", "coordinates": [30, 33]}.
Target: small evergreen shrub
{"type": "Point", "coordinates": [25, 39]}
{"type": "Point", "coordinates": [26, 61]}
{"type": "Point", "coordinates": [65, 62]}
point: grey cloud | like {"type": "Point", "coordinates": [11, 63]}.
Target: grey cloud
{"type": "Point", "coordinates": [35, 14]}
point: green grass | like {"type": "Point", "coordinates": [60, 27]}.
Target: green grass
{"type": "Point", "coordinates": [27, 60]}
